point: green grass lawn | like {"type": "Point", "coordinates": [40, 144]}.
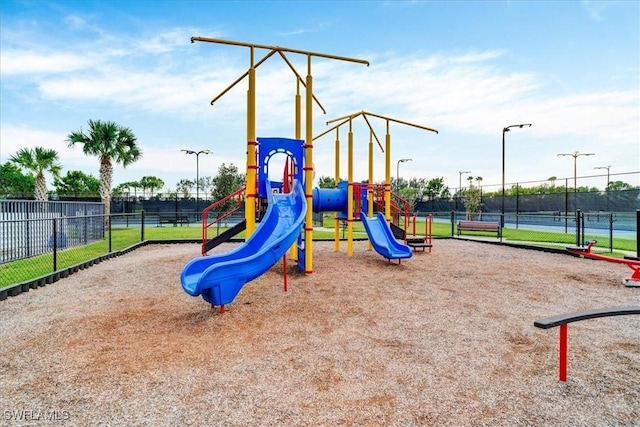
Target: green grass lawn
{"type": "Point", "coordinates": [121, 238]}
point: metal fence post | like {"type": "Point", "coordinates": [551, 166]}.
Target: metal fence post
{"type": "Point", "coordinates": [54, 237]}
{"type": "Point", "coordinates": [109, 230]}
{"type": "Point", "coordinates": [453, 221]}
{"type": "Point", "coordinates": [28, 224]}
{"type": "Point", "coordinates": [142, 226]}
{"type": "Point", "coordinates": [638, 233]}
{"type": "Point", "coordinates": [517, 204]}
{"type": "Point", "coordinates": [566, 205]}
{"type": "Point", "coordinates": [578, 227]}
{"type": "Point", "coordinates": [611, 220]}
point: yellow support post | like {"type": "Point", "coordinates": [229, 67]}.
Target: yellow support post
{"type": "Point", "coordinates": [337, 178]}
{"type": "Point", "coordinates": [251, 191]}
{"type": "Point", "coordinates": [298, 102]}
{"type": "Point", "coordinates": [387, 175]}
{"type": "Point", "coordinates": [350, 193]}
{"type": "Point", "coordinates": [293, 253]}
{"type": "Point", "coordinates": [308, 172]}
{"type": "Point", "coordinates": [370, 184]}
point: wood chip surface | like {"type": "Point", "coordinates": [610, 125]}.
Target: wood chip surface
{"type": "Point", "coordinates": [442, 339]}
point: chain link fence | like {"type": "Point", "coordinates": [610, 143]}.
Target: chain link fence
{"type": "Point", "coordinates": [41, 249]}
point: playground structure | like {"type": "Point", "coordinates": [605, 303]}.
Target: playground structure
{"type": "Point", "coordinates": [372, 189]}
{"type": "Point", "coordinates": [219, 278]}
{"type": "Point", "coordinates": [585, 251]}
{"type": "Point", "coordinates": [199, 277]}
{"type": "Point", "coordinates": [250, 193]}
{"type": "Point", "coordinates": [251, 181]}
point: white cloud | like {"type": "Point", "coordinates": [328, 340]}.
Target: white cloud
{"type": "Point", "coordinates": [20, 63]}
{"type": "Point", "coordinates": [468, 96]}
{"type": "Point", "coordinates": [596, 8]}
{"type": "Point", "coordinates": [75, 22]}
{"type": "Point", "coordinates": [164, 42]}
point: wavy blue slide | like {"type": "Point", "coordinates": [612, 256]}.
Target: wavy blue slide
{"type": "Point", "coordinates": [218, 278]}
{"type": "Point", "coordinates": [382, 238]}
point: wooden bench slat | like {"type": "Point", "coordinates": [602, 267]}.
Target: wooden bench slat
{"type": "Point", "coordinates": [479, 226]}
{"type": "Point", "coordinates": [172, 218]}
{"type": "Point", "coordinates": [562, 319]}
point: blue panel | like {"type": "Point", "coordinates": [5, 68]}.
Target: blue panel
{"type": "Point", "coordinates": [267, 147]}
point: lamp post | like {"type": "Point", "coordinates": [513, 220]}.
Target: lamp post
{"type": "Point", "coordinates": [607, 168]}
{"type": "Point", "coordinates": [607, 187]}
{"type": "Point", "coordinates": [197, 153]}
{"type": "Point", "coordinates": [505, 130]}
{"type": "Point", "coordinates": [575, 156]}
{"type": "Point", "coordinates": [460, 185]}
{"type": "Point", "coordinates": [398, 172]}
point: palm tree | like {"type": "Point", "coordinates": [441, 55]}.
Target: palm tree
{"type": "Point", "coordinates": [38, 161]}
{"type": "Point", "coordinates": [111, 143]}
{"type": "Point", "coordinates": [151, 183]}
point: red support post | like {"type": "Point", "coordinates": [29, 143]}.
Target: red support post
{"type": "Point", "coordinates": [414, 219]}
{"type": "Point", "coordinates": [284, 268]}
{"type": "Point", "coordinates": [562, 363]}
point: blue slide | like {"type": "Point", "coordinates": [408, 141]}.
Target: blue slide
{"type": "Point", "coordinates": [382, 238]}
{"type": "Point", "coordinates": [218, 278]}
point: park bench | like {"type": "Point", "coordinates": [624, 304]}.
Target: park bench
{"type": "Point", "coordinates": [563, 319]}
{"type": "Point", "coordinates": [486, 226]}
{"type": "Point", "coordinates": [174, 218]}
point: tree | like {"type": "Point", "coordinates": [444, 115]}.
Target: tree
{"type": "Point", "coordinates": [206, 184]}
{"type": "Point", "coordinates": [184, 187]}
{"type": "Point", "coordinates": [435, 188]}
{"type": "Point", "coordinates": [37, 162]}
{"type": "Point", "coordinates": [111, 143]}
{"type": "Point", "coordinates": [618, 186]}
{"type": "Point", "coordinates": [473, 198]}
{"type": "Point", "coordinates": [226, 182]}
{"type": "Point", "coordinates": [326, 182]}
{"type": "Point", "coordinates": [135, 185]}
{"type": "Point", "coordinates": [410, 195]}
{"type": "Point", "coordinates": [125, 187]}
{"type": "Point", "coordinates": [13, 181]}
{"type": "Point", "coordinates": [76, 183]}
{"type": "Point", "coordinates": [151, 183]}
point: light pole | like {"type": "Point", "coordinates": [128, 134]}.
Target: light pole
{"type": "Point", "coordinates": [505, 130]}
{"type": "Point", "coordinates": [197, 153]}
{"type": "Point", "coordinates": [607, 168]}
{"type": "Point", "coordinates": [607, 187]}
{"type": "Point", "coordinates": [575, 156]}
{"type": "Point", "coordinates": [398, 172]}
{"type": "Point", "coordinates": [460, 185]}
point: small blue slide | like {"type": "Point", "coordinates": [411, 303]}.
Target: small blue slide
{"type": "Point", "coordinates": [382, 238]}
{"type": "Point", "coordinates": [218, 278]}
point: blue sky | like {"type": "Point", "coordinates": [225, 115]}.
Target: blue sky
{"type": "Point", "coordinates": [465, 68]}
